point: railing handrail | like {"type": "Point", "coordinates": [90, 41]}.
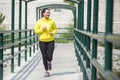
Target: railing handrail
{"type": "Point", "coordinates": [31, 39]}
{"type": "Point", "coordinates": [88, 39]}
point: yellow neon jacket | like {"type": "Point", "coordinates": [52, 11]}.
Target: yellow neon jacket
{"type": "Point", "coordinates": [45, 35]}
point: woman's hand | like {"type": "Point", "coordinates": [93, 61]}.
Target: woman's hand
{"type": "Point", "coordinates": [44, 28]}
{"type": "Point", "coordinates": [51, 34]}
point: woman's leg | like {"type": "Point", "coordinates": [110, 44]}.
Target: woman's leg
{"type": "Point", "coordinates": [43, 48]}
{"type": "Point", "coordinates": [50, 50]}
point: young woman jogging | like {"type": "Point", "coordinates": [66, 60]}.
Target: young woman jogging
{"type": "Point", "coordinates": [46, 28]}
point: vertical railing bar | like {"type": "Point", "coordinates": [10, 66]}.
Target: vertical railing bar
{"type": "Point", "coordinates": [79, 11]}
{"type": "Point", "coordinates": [82, 27]}
{"type": "Point", "coordinates": [26, 30]}
{"type": "Point", "coordinates": [34, 42]}
{"type": "Point", "coordinates": [74, 13]}
{"type": "Point", "coordinates": [20, 20]}
{"type": "Point", "coordinates": [37, 17]}
{"type": "Point", "coordinates": [83, 38]}
{"type": "Point", "coordinates": [109, 28]}
{"type": "Point", "coordinates": [94, 42]}
{"type": "Point", "coordinates": [37, 43]}
{"type": "Point", "coordinates": [30, 44]}
{"type": "Point", "coordinates": [39, 13]}
{"type": "Point", "coordinates": [88, 29]}
{"type": "Point", "coordinates": [89, 3]}
{"type": "Point", "coordinates": [82, 14]}
{"type": "Point", "coordinates": [36, 14]}
{"type": "Point", "coordinates": [79, 35]}
{"type": "Point", "coordinates": [75, 26]}
{"type": "Point", "coordinates": [12, 34]}
{"type": "Point", "coordinates": [79, 25]}
{"type": "Point", "coordinates": [1, 57]}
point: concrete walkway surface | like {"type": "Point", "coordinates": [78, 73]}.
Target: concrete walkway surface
{"type": "Point", "coordinates": [64, 66]}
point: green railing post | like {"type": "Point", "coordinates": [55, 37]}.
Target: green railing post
{"type": "Point", "coordinates": [78, 27]}
{"type": "Point", "coordinates": [39, 14]}
{"type": "Point", "coordinates": [89, 30]}
{"type": "Point", "coordinates": [12, 34]}
{"type": "Point", "coordinates": [82, 36]}
{"type": "Point", "coordinates": [79, 15]}
{"type": "Point", "coordinates": [1, 57]}
{"type": "Point", "coordinates": [82, 27]}
{"type": "Point", "coordinates": [20, 20]}
{"type": "Point", "coordinates": [34, 42]}
{"type": "Point", "coordinates": [30, 43]}
{"type": "Point", "coordinates": [94, 42]}
{"type": "Point", "coordinates": [37, 17]}
{"type": "Point", "coordinates": [82, 15]}
{"type": "Point", "coordinates": [74, 13]}
{"type": "Point", "coordinates": [89, 15]}
{"type": "Point", "coordinates": [36, 14]}
{"type": "Point", "coordinates": [88, 23]}
{"type": "Point", "coordinates": [109, 26]}
{"type": "Point", "coordinates": [37, 43]}
{"type": "Point", "coordinates": [75, 26]}
{"type": "Point", "coordinates": [26, 30]}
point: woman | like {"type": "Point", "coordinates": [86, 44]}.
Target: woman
{"type": "Point", "coordinates": [46, 28]}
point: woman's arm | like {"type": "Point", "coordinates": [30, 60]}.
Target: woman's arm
{"type": "Point", "coordinates": [54, 28]}
{"type": "Point", "coordinates": [37, 28]}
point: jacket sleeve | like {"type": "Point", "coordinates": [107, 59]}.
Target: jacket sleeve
{"type": "Point", "coordinates": [54, 28]}
{"type": "Point", "coordinates": [37, 28]}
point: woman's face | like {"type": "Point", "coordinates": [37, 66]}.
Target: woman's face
{"type": "Point", "coordinates": [46, 14]}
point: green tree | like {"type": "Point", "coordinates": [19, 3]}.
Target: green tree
{"type": "Point", "coordinates": [2, 17]}
{"type": "Point", "coordinates": [66, 36]}
{"type": "Point", "coordinates": [69, 34]}
{"type": "Point", "coordinates": [68, 1]}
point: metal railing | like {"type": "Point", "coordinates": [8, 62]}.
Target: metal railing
{"type": "Point", "coordinates": [86, 42]}
{"type": "Point", "coordinates": [63, 36]}
{"type": "Point", "coordinates": [6, 44]}
{"type": "Point", "coordinates": [23, 40]}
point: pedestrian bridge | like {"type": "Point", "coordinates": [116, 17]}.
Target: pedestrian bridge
{"type": "Point", "coordinates": [78, 60]}
{"type": "Point", "coordinates": [64, 66]}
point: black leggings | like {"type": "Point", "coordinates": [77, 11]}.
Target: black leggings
{"type": "Point", "coordinates": [47, 49]}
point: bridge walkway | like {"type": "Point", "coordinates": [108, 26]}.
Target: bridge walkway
{"type": "Point", "coordinates": [64, 66]}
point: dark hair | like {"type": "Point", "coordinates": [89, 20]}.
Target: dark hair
{"type": "Point", "coordinates": [43, 11]}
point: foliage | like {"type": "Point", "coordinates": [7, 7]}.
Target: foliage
{"type": "Point", "coordinates": [69, 34]}
{"type": "Point", "coordinates": [2, 27]}
{"type": "Point", "coordinates": [66, 37]}
{"type": "Point", "coordinates": [68, 1]}
{"type": "Point", "coordinates": [2, 17]}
